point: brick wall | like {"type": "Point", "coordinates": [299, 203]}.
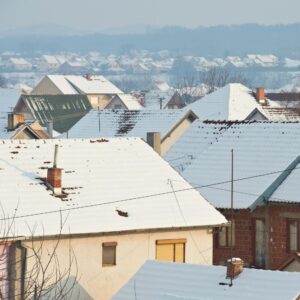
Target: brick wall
{"type": "Point", "coordinates": [279, 215]}
{"type": "Point", "coordinates": [243, 239]}
{"type": "Point", "coordinates": [245, 232]}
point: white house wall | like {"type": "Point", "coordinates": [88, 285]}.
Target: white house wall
{"type": "Point", "coordinates": [133, 250]}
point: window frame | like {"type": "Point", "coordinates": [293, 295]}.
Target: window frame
{"type": "Point", "coordinates": [172, 242]}
{"type": "Point", "coordinates": [227, 240]}
{"type": "Point", "coordinates": [106, 245]}
{"type": "Point", "coordinates": [289, 235]}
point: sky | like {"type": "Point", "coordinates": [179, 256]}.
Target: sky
{"type": "Point", "coordinates": [99, 15]}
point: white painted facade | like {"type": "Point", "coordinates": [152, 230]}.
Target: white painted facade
{"type": "Point", "coordinates": [133, 249]}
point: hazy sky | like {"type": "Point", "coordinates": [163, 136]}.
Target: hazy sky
{"type": "Point", "coordinates": [96, 15]}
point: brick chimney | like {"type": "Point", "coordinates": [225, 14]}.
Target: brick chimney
{"type": "Point", "coordinates": [153, 140]}
{"type": "Point", "coordinates": [234, 267]}
{"type": "Point", "coordinates": [14, 120]}
{"type": "Point", "coordinates": [54, 176]}
{"type": "Point", "coordinates": [260, 95]}
{"type": "Point", "coordinates": [88, 76]}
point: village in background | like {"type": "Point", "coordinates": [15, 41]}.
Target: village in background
{"type": "Point", "coordinates": [149, 174]}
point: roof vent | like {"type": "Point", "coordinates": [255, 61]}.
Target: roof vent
{"type": "Point", "coordinates": [54, 175]}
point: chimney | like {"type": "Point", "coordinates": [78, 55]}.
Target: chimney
{"type": "Point", "coordinates": [14, 120]}
{"type": "Point", "coordinates": [153, 140]}
{"type": "Point", "coordinates": [50, 128]}
{"type": "Point", "coordinates": [234, 267]}
{"type": "Point", "coordinates": [260, 95]}
{"type": "Point", "coordinates": [54, 176]}
{"type": "Point", "coordinates": [88, 76]}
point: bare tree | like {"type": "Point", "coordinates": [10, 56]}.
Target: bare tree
{"type": "Point", "coordinates": [30, 268]}
{"type": "Point", "coordinates": [217, 77]}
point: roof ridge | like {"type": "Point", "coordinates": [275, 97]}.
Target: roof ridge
{"type": "Point", "coordinates": [270, 190]}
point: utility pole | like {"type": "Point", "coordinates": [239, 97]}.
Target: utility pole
{"type": "Point", "coordinates": [231, 219]}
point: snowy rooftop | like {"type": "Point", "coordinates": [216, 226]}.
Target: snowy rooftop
{"type": "Point", "coordinates": [203, 156]}
{"type": "Point", "coordinates": [162, 281]}
{"type": "Point", "coordinates": [108, 123]}
{"type": "Point", "coordinates": [232, 102]}
{"type": "Point", "coordinates": [237, 102]}
{"type": "Point", "coordinates": [102, 176]}
{"type": "Point", "coordinates": [72, 84]}
{"type": "Point", "coordinates": [130, 101]}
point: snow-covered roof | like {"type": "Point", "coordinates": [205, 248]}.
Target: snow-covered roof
{"type": "Point", "coordinates": [175, 281]}
{"type": "Point", "coordinates": [73, 84]}
{"type": "Point", "coordinates": [237, 102]}
{"type": "Point", "coordinates": [108, 123]}
{"type": "Point", "coordinates": [232, 102]}
{"type": "Point", "coordinates": [19, 61]}
{"type": "Point", "coordinates": [130, 101]}
{"type": "Point", "coordinates": [203, 156]}
{"type": "Point", "coordinates": [50, 59]}
{"type": "Point", "coordinates": [99, 177]}
{"type": "Point", "coordinates": [62, 84]}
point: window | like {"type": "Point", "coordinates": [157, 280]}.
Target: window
{"type": "Point", "coordinates": [109, 254]}
{"type": "Point", "coordinates": [224, 236]}
{"type": "Point", "coordinates": [294, 235]}
{"type": "Point", "coordinates": [117, 106]}
{"type": "Point", "coordinates": [171, 250]}
{"type": "Point", "coordinates": [260, 243]}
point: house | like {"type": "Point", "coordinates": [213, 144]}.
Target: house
{"type": "Point", "coordinates": [169, 125]}
{"type": "Point", "coordinates": [176, 102]}
{"type": "Point", "coordinates": [63, 111]}
{"type": "Point", "coordinates": [237, 102]}
{"type": "Point", "coordinates": [124, 101]}
{"type": "Point", "coordinates": [163, 280]}
{"type": "Point", "coordinates": [14, 126]}
{"type": "Point", "coordinates": [98, 89]}
{"type": "Point", "coordinates": [18, 64]}
{"type": "Point", "coordinates": [114, 202]}
{"type": "Point", "coordinates": [49, 62]}
{"type": "Point", "coordinates": [266, 215]}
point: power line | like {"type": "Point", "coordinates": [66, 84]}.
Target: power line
{"type": "Point", "coordinates": [147, 196]}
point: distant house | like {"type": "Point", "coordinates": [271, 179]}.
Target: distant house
{"type": "Point", "coordinates": [18, 64]}
{"type": "Point", "coordinates": [237, 102]}
{"type": "Point", "coordinates": [49, 62]}
{"type": "Point", "coordinates": [98, 89]}
{"type": "Point", "coordinates": [124, 101]}
{"type": "Point", "coordinates": [14, 126]}
{"type": "Point", "coordinates": [161, 280]}
{"type": "Point", "coordinates": [115, 202]}
{"type": "Point", "coordinates": [169, 125]}
{"type": "Point", "coordinates": [63, 111]}
{"type": "Point", "coordinates": [266, 217]}
{"type": "Point", "coordinates": [176, 102]}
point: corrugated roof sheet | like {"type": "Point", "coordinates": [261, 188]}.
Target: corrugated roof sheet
{"type": "Point", "coordinates": [63, 110]}
{"type": "Point", "coordinates": [96, 172]}
{"type": "Point", "coordinates": [159, 280]}
{"type": "Point", "coordinates": [203, 156]}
